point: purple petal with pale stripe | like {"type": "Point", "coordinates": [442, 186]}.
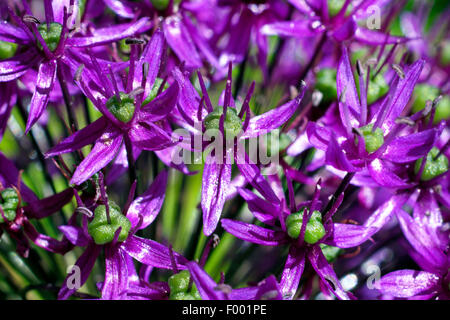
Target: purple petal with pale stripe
{"type": "Point", "coordinates": [408, 283]}
{"type": "Point", "coordinates": [292, 272]}
{"type": "Point", "coordinates": [204, 283]}
{"type": "Point", "coordinates": [255, 234]}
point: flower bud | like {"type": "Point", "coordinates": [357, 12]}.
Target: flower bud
{"type": "Point", "coordinates": [9, 202]}
{"type": "Point", "coordinates": [122, 110]}
{"type": "Point", "coordinates": [51, 35]}
{"type": "Point", "coordinates": [373, 140]}
{"type": "Point", "coordinates": [103, 232]}
{"type": "Point", "coordinates": [433, 167]}
{"type": "Point", "coordinates": [314, 229]}
{"type": "Point", "coordinates": [232, 124]}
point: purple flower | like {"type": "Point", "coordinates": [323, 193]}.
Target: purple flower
{"type": "Point", "coordinates": [430, 251]}
{"type": "Point", "coordinates": [202, 119]}
{"type": "Point", "coordinates": [50, 47]}
{"type": "Point", "coordinates": [129, 120]}
{"type": "Point", "coordinates": [121, 244]}
{"type": "Point", "coordinates": [367, 140]}
{"type": "Point", "coordinates": [303, 228]}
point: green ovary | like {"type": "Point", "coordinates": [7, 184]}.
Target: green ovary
{"type": "Point", "coordinates": [122, 110]}
{"type": "Point", "coordinates": [232, 124]}
{"type": "Point", "coordinates": [101, 231]}
{"type": "Point", "coordinates": [7, 49]}
{"type": "Point", "coordinates": [314, 229]}
{"type": "Point", "coordinates": [326, 83]}
{"type": "Point", "coordinates": [9, 202]}
{"type": "Point", "coordinates": [51, 35]}
{"type": "Point", "coordinates": [179, 287]}
{"type": "Point", "coordinates": [373, 140]}
{"type": "Point", "coordinates": [433, 167]}
{"type": "Point", "coordinates": [331, 253]}
{"type": "Point", "coordinates": [424, 92]}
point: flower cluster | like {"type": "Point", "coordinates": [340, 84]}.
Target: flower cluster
{"type": "Point", "coordinates": [224, 149]}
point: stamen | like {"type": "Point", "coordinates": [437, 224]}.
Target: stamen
{"type": "Point", "coordinates": [104, 195]}
{"type": "Point", "coordinates": [85, 211]}
{"type": "Point", "coordinates": [208, 104]}
{"type": "Point", "coordinates": [173, 261]}
{"type": "Point", "coordinates": [78, 73]}
{"type": "Point", "coordinates": [405, 120]}
{"type": "Point", "coordinates": [131, 41]}
{"type": "Point", "coordinates": [398, 70]}
{"type": "Point", "coordinates": [212, 243]}
{"type": "Point", "coordinates": [31, 19]}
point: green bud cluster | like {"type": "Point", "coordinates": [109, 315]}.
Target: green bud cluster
{"type": "Point", "coordinates": [179, 287]}
{"type": "Point", "coordinates": [232, 124]}
{"type": "Point", "coordinates": [9, 202]}
{"type": "Point", "coordinates": [7, 49]}
{"type": "Point", "coordinates": [103, 232]}
{"type": "Point", "coordinates": [123, 109]}
{"type": "Point", "coordinates": [314, 228]}
{"type": "Point", "coordinates": [50, 34]}
{"type": "Point", "coordinates": [373, 140]}
{"type": "Point", "coordinates": [433, 167]}
{"type": "Point", "coordinates": [424, 92]}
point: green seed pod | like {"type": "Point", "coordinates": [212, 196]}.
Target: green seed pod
{"type": "Point", "coordinates": [10, 195]}
{"type": "Point", "coordinates": [51, 35]}
{"type": "Point", "coordinates": [160, 4]}
{"type": "Point", "coordinates": [101, 231]}
{"type": "Point", "coordinates": [7, 49]}
{"type": "Point", "coordinates": [123, 110]}
{"type": "Point", "coordinates": [433, 167]}
{"type": "Point", "coordinates": [9, 214]}
{"type": "Point", "coordinates": [179, 282]}
{"type": "Point", "coordinates": [314, 229]}
{"type": "Point", "coordinates": [372, 140]}
{"type": "Point", "coordinates": [326, 83]}
{"type": "Point", "coordinates": [232, 124]}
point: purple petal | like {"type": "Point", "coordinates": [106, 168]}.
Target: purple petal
{"type": "Point", "coordinates": [326, 273]}
{"type": "Point", "coordinates": [255, 234]}
{"type": "Point", "coordinates": [16, 66]}
{"type": "Point", "coordinates": [384, 176]}
{"type": "Point", "coordinates": [297, 29]}
{"type": "Point", "coordinates": [420, 239]}
{"type": "Point", "coordinates": [292, 272]}
{"type": "Point", "coordinates": [335, 156]}
{"type": "Point", "coordinates": [180, 41]}
{"type": "Point", "coordinates": [121, 8]}
{"type": "Point", "coordinates": [349, 235]}
{"type": "Point", "coordinates": [45, 80]}
{"type": "Point", "coordinates": [253, 175]}
{"type": "Point", "coordinates": [39, 209]}
{"type": "Point", "coordinates": [11, 33]}
{"type": "Point", "coordinates": [408, 283]}
{"type": "Point", "coordinates": [205, 284]}
{"type": "Point", "coordinates": [411, 147]}
{"type": "Point", "coordinates": [111, 34]}
{"type": "Point", "coordinates": [80, 138]}
{"type": "Point", "coordinates": [75, 235]}
{"type": "Point", "coordinates": [215, 182]}
{"type": "Point", "coordinates": [263, 210]}
{"type": "Point", "coordinates": [152, 253]}
{"type": "Point", "coordinates": [162, 105]}
{"type": "Point", "coordinates": [116, 274]}
{"type": "Point", "coordinates": [373, 37]}
{"type": "Point", "coordinates": [346, 89]}
{"type": "Point", "coordinates": [381, 216]}
{"type": "Point", "coordinates": [101, 154]}
{"type": "Point", "coordinates": [85, 263]}
{"type": "Point", "coordinates": [148, 205]}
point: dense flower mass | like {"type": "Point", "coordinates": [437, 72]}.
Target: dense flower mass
{"type": "Point", "coordinates": [224, 149]}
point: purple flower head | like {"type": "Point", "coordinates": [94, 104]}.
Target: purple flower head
{"type": "Point", "coordinates": [230, 128]}
{"type": "Point", "coordinates": [51, 47]}
{"type": "Point", "coordinates": [304, 228]}
{"type": "Point", "coordinates": [110, 228]}
{"type": "Point", "coordinates": [133, 115]}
